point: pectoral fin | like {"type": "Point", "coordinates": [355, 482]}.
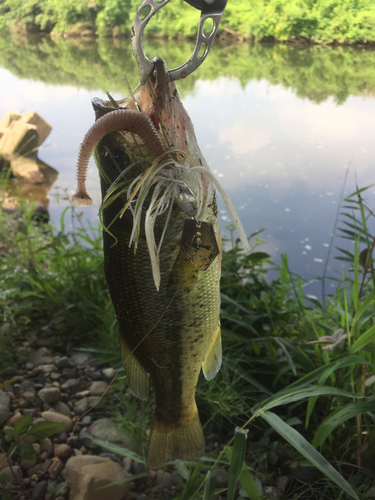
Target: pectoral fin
{"type": "Point", "coordinates": [211, 364]}
{"type": "Point", "coordinates": [135, 373]}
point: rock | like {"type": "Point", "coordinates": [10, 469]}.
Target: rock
{"type": "Point", "coordinates": [98, 388]}
{"type": "Point", "coordinates": [22, 403]}
{"type": "Point", "coordinates": [64, 362]}
{"type": "Point", "coordinates": [69, 372]}
{"type": "Point", "coordinates": [26, 464]}
{"type": "Point", "coordinates": [63, 451]}
{"type": "Point", "coordinates": [4, 407]}
{"type": "Point", "coordinates": [29, 366]}
{"type": "Point", "coordinates": [271, 492]}
{"type": "Point", "coordinates": [62, 408]}
{"type": "Point", "coordinates": [39, 491]}
{"type": "Point", "coordinates": [69, 384]}
{"type": "Point", "coordinates": [49, 394]}
{"type": "Point", "coordinates": [46, 446]}
{"type": "Point", "coordinates": [74, 441]}
{"type": "Point", "coordinates": [127, 463]}
{"type": "Point", "coordinates": [55, 376]}
{"type": "Point", "coordinates": [61, 438]}
{"type": "Point", "coordinates": [4, 461]}
{"type": "Point", "coordinates": [14, 475]}
{"type": "Point", "coordinates": [52, 416]}
{"type": "Point", "coordinates": [36, 447]}
{"type": "Point", "coordinates": [38, 469]}
{"type": "Point", "coordinates": [29, 396]}
{"type": "Point", "coordinates": [41, 357]}
{"type": "Point", "coordinates": [138, 468]}
{"type": "Point", "coordinates": [142, 497]}
{"type": "Point", "coordinates": [164, 478]}
{"type": "Point", "coordinates": [84, 437]}
{"type": "Point", "coordinates": [80, 359]}
{"type": "Point", "coordinates": [107, 430]}
{"type": "Point", "coordinates": [221, 477]}
{"type": "Point", "coordinates": [111, 456]}
{"type": "Point", "coordinates": [14, 418]}
{"type": "Point", "coordinates": [44, 369]}
{"type": "Point", "coordinates": [56, 467]}
{"type": "Point", "coordinates": [109, 373]}
{"type": "Point", "coordinates": [86, 420]}
{"type": "Point", "coordinates": [82, 394]}
{"type": "Point", "coordinates": [85, 474]}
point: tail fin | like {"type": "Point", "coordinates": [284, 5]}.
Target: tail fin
{"type": "Point", "coordinates": [185, 442]}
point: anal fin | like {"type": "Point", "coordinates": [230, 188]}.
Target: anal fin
{"type": "Point", "coordinates": [135, 373]}
{"type": "Point", "coordinates": [212, 362]}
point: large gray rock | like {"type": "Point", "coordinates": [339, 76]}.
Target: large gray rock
{"type": "Point", "coordinates": [98, 388]}
{"type": "Point", "coordinates": [106, 430]}
{"type": "Point", "coordinates": [49, 394]}
{"type": "Point", "coordinates": [52, 416]}
{"type": "Point", "coordinates": [4, 407]}
{"type": "Point", "coordinates": [86, 473]}
{"type": "Point", "coordinates": [41, 357]}
{"type": "Point", "coordinates": [14, 475]}
{"type": "Point", "coordinates": [61, 407]}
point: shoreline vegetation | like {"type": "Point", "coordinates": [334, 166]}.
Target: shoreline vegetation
{"type": "Point", "coordinates": [342, 22]}
{"type": "Point", "coordinates": [311, 363]}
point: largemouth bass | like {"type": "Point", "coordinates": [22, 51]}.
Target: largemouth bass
{"type": "Point", "coordinates": [161, 254]}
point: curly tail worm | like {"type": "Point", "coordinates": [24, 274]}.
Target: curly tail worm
{"type": "Point", "coordinates": [128, 120]}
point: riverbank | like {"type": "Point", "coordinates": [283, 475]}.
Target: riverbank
{"type": "Point", "coordinates": [342, 22]}
{"type": "Point", "coordinates": [55, 301]}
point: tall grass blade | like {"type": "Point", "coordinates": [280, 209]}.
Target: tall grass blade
{"type": "Point", "coordinates": [248, 483]}
{"type": "Point", "coordinates": [209, 490]}
{"type": "Point", "coordinates": [304, 447]}
{"type": "Point", "coordinates": [293, 394]}
{"type": "Point", "coordinates": [124, 452]}
{"type": "Point", "coordinates": [339, 417]}
{"type": "Point", "coordinates": [365, 339]}
{"type": "Point", "coordinates": [236, 460]}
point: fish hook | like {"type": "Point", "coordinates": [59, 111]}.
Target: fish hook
{"type": "Point", "coordinates": [210, 9]}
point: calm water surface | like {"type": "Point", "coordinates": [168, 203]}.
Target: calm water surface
{"type": "Point", "coordinates": [280, 128]}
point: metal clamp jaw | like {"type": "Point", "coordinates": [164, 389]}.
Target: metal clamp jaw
{"type": "Point", "coordinates": [210, 9]}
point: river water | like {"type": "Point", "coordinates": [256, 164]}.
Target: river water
{"type": "Point", "coordinates": [281, 127]}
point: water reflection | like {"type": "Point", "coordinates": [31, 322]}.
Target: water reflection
{"type": "Point", "coordinates": [279, 126]}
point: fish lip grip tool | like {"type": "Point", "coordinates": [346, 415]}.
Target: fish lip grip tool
{"type": "Point", "coordinates": [210, 9]}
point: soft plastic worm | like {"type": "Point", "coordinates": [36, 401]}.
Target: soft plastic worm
{"type": "Point", "coordinates": [128, 120]}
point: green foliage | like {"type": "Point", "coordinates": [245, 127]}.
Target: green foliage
{"type": "Point", "coordinates": [53, 283]}
{"type": "Point", "coordinates": [56, 280]}
{"type": "Point", "coordinates": [23, 429]}
{"type": "Point", "coordinates": [320, 20]}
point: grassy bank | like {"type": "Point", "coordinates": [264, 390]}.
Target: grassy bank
{"type": "Point", "coordinates": [318, 21]}
{"type": "Point", "coordinates": [292, 374]}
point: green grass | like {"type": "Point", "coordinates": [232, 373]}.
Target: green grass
{"type": "Point", "coordinates": [282, 378]}
{"type": "Point", "coordinates": [322, 21]}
